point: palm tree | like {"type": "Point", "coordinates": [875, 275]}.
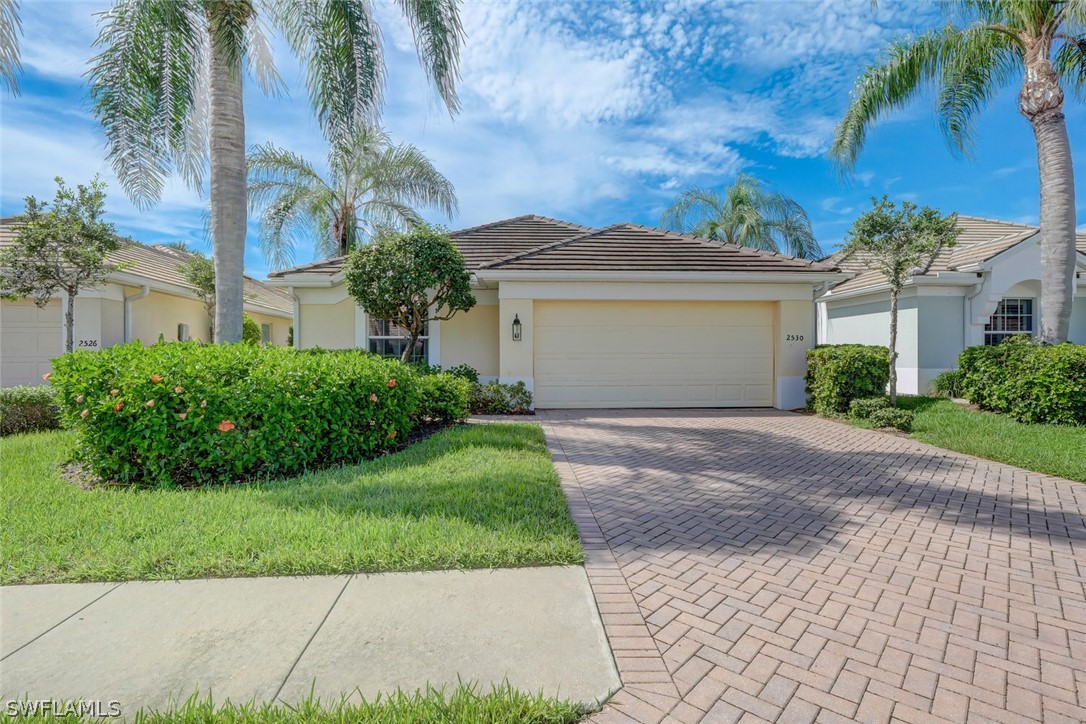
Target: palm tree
{"type": "Point", "coordinates": [1044, 41]}
{"type": "Point", "coordinates": [371, 184]}
{"type": "Point", "coordinates": [167, 88]}
{"type": "Point", "coordinates": [746, 214]}
{"type": "Point", "coordinates": [10, 29]}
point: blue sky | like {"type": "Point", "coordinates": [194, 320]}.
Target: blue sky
{"type": "Point", "coordinates": [587, 111]}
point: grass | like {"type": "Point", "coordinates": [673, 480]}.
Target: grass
{"type": "Point", "coordinates": [476, 496]}
{"type": "Point", "coordinates": [1053, 449]}
{"type": "Point", "coordinates": [433, 706]}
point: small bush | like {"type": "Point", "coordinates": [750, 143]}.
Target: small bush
{"type": "Point", "coordinates": [495, 398]}
{"type": "Point", "coordinates": [947, 384]}
{"type": "Point", "coordinates": [465, 371]}
{"type": "Point", "coordinates": [1033, 383]}
{"type": "Point", "coordinates": [893, 417]}
{"type": "Point", "coordinates": [442, 398]}
{"type": "Point", "coordinates": [839, 374]}
{"type": "Point", "coordinates": [865, 407]}
{"type": "Point", "coordinates": [186, 413]}
{"type": "Point", "coordinates": [250, 330]}
{"type": "Point", "coordinates": [28, 409]}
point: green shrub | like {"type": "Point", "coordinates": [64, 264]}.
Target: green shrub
{"type": "Point", "coordinates": [28, 409]}
{"type": "Point", "coordinates": [865, 407]}
{"type": "Point", "coordinates": [186, 413]}
{"type": "Point", "coordinates": [1033, 383]}
{"type": "Point", "coordinates": [893, 417]}
{"type": "Point", "coordinates": [465, 371]}
{"type": "Point", "coordinates": [250, 330]}
{"type": "Point", "coordinates": [948, 384]}
{"type": "Point", "coordinates": [838, 374]}
{"type": "Point", "coordinates": [442, 398]}
{"type": "Point", "coordinates": [495, 398]}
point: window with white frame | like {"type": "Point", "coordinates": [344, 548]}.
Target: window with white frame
{"type": "Point", "coordinates": [388, 339]}
{"type": "Point", "coordinates": [1012, 316]}
{"type": "Point", "coordinates": [265, 333]}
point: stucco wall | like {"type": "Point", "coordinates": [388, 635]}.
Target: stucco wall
{"type": "Point", "coordinates": [472, 338]}
{"type": "Point", "coordinates": [331, 326]}
{"type": "Point", "coordinates": [940, 337]}
{"type": "Point", "coordinates": [159, 314]}
{"type": "Point", "coordinates": [1078, 320]}
{"type": "Point", "coordinates": [869, 323]}
{"type": "Point", "coordinates": [279, 327]}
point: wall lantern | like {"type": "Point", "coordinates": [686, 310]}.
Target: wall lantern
{"type": "Point", "coordinates": [516, 328]}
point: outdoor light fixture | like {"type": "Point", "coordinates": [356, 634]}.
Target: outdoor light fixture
{"type": "Point", "coordinates": [516, 327]}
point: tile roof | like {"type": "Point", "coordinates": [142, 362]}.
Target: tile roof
{"type": "Point", "coordinates": [541, 243]}
{"type": "Point", "coordinates": [159, 263]}
{"type": "Point", "coordinates": [980, 240]}
{"type": "Point", "coordinates": [631, 247]}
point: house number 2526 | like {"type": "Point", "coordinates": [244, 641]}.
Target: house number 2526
{"type": "Point", "coordinates": [793, 338]}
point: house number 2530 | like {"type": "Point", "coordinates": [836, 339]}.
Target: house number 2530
{"type": "Point", "coordinates": [793, 338]}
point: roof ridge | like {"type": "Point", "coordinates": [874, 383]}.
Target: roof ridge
{"type": "Point", "coordinates": [997, 221]}
{"type": "Point", "coordinates": [522, 217]}
{"type": "Point", "coordinates": [545, 247]}
{"type": "Point", "coordinates": [717, 244]}
{"type": "Point", "coordinates": [308, 264]}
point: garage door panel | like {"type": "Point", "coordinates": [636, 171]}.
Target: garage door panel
{"type": "Point", "coordinates": [653, 354]}
{"type": "Point", "coordinates": [31, 337]}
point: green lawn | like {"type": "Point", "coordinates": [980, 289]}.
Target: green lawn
{"type": "Point", "coordinates": [463, 705]}
{"type": "Point", "coordinates": [475, 496]}
{"type": "Point", "coordinates": [1053, 449]}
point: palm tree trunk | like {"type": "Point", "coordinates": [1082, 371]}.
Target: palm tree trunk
{"type": "Point", "coordinates": [893, 348]}
{"type": "Point", "coordinates": [228, 195]}
{"type": "Point", "coordinates": [1041, 101]}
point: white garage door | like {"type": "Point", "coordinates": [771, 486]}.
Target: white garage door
{"type": "Point", "coordinates": [653, 354]}
{"type": "Point", "coordinates": [30, 336]}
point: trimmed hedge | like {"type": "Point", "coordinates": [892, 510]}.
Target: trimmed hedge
{"type": "Point", "coordinates": [185, 413]}
{"type": "Point", "coordinates": [495, 398]}
{"type": "Point", "coordinates": [442, 398]}
{"type": "Point", "coordinates": [1033, 383]}
{"type": "Point", "coordinates": [28, 409]}
{"type": "Point", "coordinates": [837, 374]}
{"type": "Point", "coordinates": [865, 407]}
{"type": "Point", "coordinates": [893, 417]}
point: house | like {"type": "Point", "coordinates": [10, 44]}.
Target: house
{"type": "Point", "coordinates": [979, 291]}
{"type": "Point", "coordinates": [622, 316]}
{"type": "Point", "coordinates": [146, 300]}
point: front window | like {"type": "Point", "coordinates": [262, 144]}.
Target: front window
{"type": "Point", "coordinates": [388, 339]}
{"type": "Point", "coordinates": [1012, 316]}
{"type": "Point", "coordinates": [265, 333]}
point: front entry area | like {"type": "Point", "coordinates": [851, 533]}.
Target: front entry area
{"type": "Point", "coordinates": [599, 354]}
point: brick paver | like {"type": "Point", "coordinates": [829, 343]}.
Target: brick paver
{"type": "Point", "coordinates": [762, 565]}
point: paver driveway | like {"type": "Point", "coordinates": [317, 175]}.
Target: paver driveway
{"type": "Point", "coordinates": [765, 565]}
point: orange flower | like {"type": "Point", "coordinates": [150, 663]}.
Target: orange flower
{"type": "Point", "coordinates": [79, 399]}
{"type": "Point", "coordinates": [149, 403]}
{"type": "Point", "coordinates": [156, 378]}
{"type": "Point", "coordinates": [182, 416]}
{"type": "Point", "coordinates": [114, 392]}
{"type": "Point", "coordinates": [373, 397]}
{"type": "Point", "coordinates": [118, 406]}
{"type": "Point", "coordinates": [392, 383]}
{"type": "Point", "coordinates": [84, 413]}
{"type": "Point", "coordinates": [226, 426]}
{"type": "Point", "coordinates": [46, 376]}
{"type": "Point", "coordinates": [179, 389]}
{"type": "Point", "coordinates": [392, 434]}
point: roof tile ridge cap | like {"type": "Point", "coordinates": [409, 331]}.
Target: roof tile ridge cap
{"type": "Point", "coordinates": [997, 221]}
{"type": "Point", "coordinates": [307, 265]}
{"type": "Point", "coordinates": [494, 263]}
{"type": "Point", "coordinates": [560, 222]}
{"type": "Point", "coordinates": [717, 244]}
{"type": "Point", "coordinates": [490, 224]}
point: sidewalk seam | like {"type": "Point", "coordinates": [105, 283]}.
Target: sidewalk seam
{"type": "Point", "coordinates": [305, 648]}
{"type": "Point", "coordinates": [66, 618]}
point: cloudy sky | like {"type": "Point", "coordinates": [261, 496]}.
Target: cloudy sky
{"type": "Point", "coordinates": [594, 112]}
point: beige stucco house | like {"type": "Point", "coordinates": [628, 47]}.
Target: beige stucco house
{"type": "Point", "coordinates": [147, 300]}
{"type": "Point", "coordinates": [623, 316]}
{"type": "Point", "coordinates": [984, 288]}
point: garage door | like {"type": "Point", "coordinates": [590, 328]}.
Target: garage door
{"type": "Point", "coordinates": [653, 354]}
{"type": "Point", "coordinates": [30, 336]}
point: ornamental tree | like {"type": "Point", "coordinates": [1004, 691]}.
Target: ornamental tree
{"type": "Point", "coordinates": [199, 272]}
{"type": "Point", "coordinates": [410, 279]}
{"type": "Point", "coordinates": [61, 246]}
{"type": "Point", "coordinates": [900, 243]}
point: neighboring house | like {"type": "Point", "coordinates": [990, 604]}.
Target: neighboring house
{"type": "Point", "coordinates": [977, 292]}
{"type": "Point", "coordinates": [146, 300]}
{"type": "Point", "coordinates": [623, 316]}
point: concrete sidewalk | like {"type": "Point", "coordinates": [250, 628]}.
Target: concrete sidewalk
{"type": "Point", "coordinates": [142, 643]}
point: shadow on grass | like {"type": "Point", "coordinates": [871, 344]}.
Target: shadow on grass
{"type": "Point", "coordinates": [795, 484]}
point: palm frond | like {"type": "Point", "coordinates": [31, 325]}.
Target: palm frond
{"type": "Point", "coordinates": [439, 35]}
{"type": "Point", "coordinates": [144, 87]}
{"type": "Point", "coordinates": [975, 68]}
{"type": "Point", "coordinates": [690, 209]}
{"type": "Point", "coordinates": [10, 29]}
{"type": "Point", "coordinates": [1070, 63]}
